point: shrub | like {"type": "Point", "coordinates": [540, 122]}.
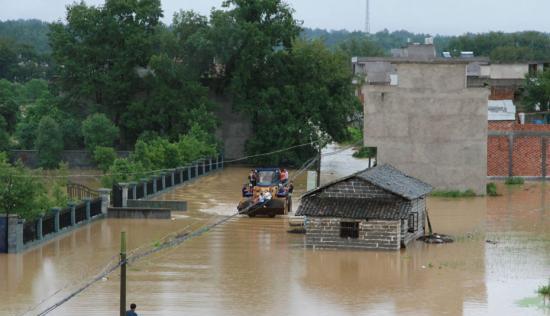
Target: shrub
{"type": "Point", "coordinates": [514, 181]}
{"type": "Point", "coordinates": [104, 157]}
{"type": "Point", "coordinates": [49, 143]}
{"type": "Point", "coordinates": [454, 194]}
{"type": "Point", "coordinates": [20, 193]}
{"type": "Point", "coordinates": [98, 130]}
{"type": "Point", "coordinates": [365, 152]}
{"type": "Point", "coordinates": [123, 170]}
{"type": "Point", "coordinates": [492, 189]}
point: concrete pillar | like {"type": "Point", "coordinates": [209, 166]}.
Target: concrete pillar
{"type": "Point", "coordinates": [55, 212]}
{"type": "Point", "coordinates": [172, 175]}
{"type": "Point", "coordinates": [511, 155]}
{"type": "Point", "coordinates": [105, 199]}
{"type": "Point", "coordinates": [204, 166]}
{"type": "Point", "coordinates": [88, 202]}
{"type": "Point", "coordinates": [15, 233]}
{"type": "Point", "coordinates": [154, 184]}
{"type": "Point", "coordinates": [180, 170]}
{"type": "Point", "coordinates": [39, 227]}
{"type": "Point", "coordinates": [196, 168]}
{"type": "Point", "coordinates": [189, 173]}
{"type": "Point", "coordinates": [163, 181]}
{"type": "Point", "coordinates": [124, 187]}
{"type": "Point", "coordinates": [133, 191]}
{"type": "Point", "coordinates": [144, 182]}
{"type": "Point", "coordinates": [210, 164]}
{"type": "Point", "coordinates": [71, 205]}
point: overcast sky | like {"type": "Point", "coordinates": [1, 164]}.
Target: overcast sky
{"type": "Point", "coordinates": [426, 16]}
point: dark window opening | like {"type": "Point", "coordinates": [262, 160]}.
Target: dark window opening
{"type": "Point", "coordinates": [533, 69]}
{"type": "Point", "coordinates": [412, 222]}
{"type": "Point", "coordinates": [349, 230]}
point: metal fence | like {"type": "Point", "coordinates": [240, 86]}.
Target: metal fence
{"type": "Point", "coordinates": [79, 192]}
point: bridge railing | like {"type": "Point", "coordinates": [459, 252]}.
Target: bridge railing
{"type": "Point", "coordinates": [156, 184]}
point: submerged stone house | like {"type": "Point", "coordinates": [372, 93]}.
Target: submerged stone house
{"type": "Point", "coordinates": [377, 208]}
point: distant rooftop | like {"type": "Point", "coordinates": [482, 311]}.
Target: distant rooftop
{"type": "Point", "coordinates": [408, 60]}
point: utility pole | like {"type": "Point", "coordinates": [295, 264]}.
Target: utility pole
{"type": "Point", "coordinates": [122, 273]}
{"type": "Point", "coordinates": [367, 17]}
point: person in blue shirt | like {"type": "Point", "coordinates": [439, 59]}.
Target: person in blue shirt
{"type": "Point", "coordinates": [132, 311]}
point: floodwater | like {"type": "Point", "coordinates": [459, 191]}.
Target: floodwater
{"type": "Point", "coordinates": [254, 267]}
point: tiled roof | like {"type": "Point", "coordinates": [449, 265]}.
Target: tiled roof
{"type": "Point", "coordinates": [352, 208]}
{"type": "Point", "coordinates": [395, 181]}
{"type": "Point", "coordinates": [387, 178]}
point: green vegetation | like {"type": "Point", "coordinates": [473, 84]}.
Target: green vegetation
{"type": "Point", "coordinates": [49, 143]}
{"type": "Point", "coordinates": [544, 291]}
{"type": "Point", "coordinates": [454, 194]}
{"type": "Point", "coordinates": [355, 135]}
{"type": "Point", "coordinates": [537, 92]}
{"type": "Point", "coordinates": [514, 181]}
{"type": "Point", "coordinates": [104, 157]}
{"type": "Point", "coordinates": [98, 130]}
{"type": "Point", "coordinates": [23, 193]}
{"type": "Point", "coordinates": [365, 152]}
{"type": "Point", "coordinates": [492, 189]}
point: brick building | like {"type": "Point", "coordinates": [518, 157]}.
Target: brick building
{"type": "Point", "coordinates": [378, 208]}
{"type": "Point", "coordinates": [520, 150]}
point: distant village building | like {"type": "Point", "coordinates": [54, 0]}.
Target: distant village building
{"type": "Point", "coordinates": [378, 208]}
{"type": "Point", "coordinates": [424, 119]}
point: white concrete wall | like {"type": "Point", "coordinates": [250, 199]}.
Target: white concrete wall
{"type": "Point", "coordinates": [509, 71]}
{"type": "Point", "coordinates": [430, 126]}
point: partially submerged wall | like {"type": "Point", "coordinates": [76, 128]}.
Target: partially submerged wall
{"type": "Point", "coordinates": [430, 125]}
{"type": "Point", "coordinates": [324, 232]}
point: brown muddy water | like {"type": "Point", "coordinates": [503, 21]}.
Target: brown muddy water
{"type": "Point", "coordinates": [254, 267]}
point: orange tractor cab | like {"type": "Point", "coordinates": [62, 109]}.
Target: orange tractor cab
{"type": "Point", "coordinates": [267, 195]}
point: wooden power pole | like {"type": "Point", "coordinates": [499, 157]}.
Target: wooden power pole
{"type": "Point", "coordinates": [122, 273]}
{"type": "Point", "coordinates": [318, 184]}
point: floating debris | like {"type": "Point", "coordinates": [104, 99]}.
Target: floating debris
{"type": "Point", "coordinates": [297, 231]}
{"type": "Point", "coordinates": [436, 239]}
{"type": "Point", "coordinates": [492, 242]}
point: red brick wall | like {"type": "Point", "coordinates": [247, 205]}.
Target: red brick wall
{"type": "Point", "coordinates": [502, 93]}
{"type": "Point", "coordinates": [526, 152]}
{"type": "Point", "coordinates": [497, 156]}
{"type": "Point", "coordinates": [527, 155]}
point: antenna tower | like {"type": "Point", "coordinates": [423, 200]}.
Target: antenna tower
{"type": "Point", "coordinates": [367, 18]}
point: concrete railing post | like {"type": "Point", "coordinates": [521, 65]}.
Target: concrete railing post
{"type": "Point", "coordinates": [39, 227]}
{"type": "Point", "coordinates": [55, 212]}
{"type": "Point", "coordinates": [144, 181]}
{"type": "Point", "coordinates": [180, 170]}
{"type": "Point", "coordinates": [105, 199]}
{"type": "Point", "coordinates": [196, 168]}
{"type": "Point", "coordinates": [15, 233]}
{"type": "Point", "coordinates": [133, 187]}
{"type": "Point", "coordinates": [204, 166]}
{"type": "Point", "coordinates": [124, 187]}
{"type": "Point", "coordinates": [209, 164]}
{"type": "Point", "coordinates": [188, 172]}
{"type": "Point", "coordinates": [88, 202]}
{"type": "Point", "coordinates": [155, 184]}
{"type": "Point", "coordinates": [172, 175]}
{"type": "Point", "coordinates": [163, 181]}
{"type": "Point", "coordinates": [71, 205]}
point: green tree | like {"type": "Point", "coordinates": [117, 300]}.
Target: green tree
{"type": "Point", "coordinates": [4, 136]}
{"type": "Point", "coordinates": [362, 47]}
{"type": "Point", "coordinates": [98, 130]}
{"type": "Point", "coordinates": [20, 193]}
{"type": "Point", "coordinates": [103, 50]}
{"type": "Point", "coordinates": [49, 143]}
{"type": "Point", "coordinates": [537, 92]}
{"type": "Point", "coordinates": [104, 157]}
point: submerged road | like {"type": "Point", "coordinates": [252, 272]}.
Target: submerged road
{"type": "Point", "coordinates": [254, 267]}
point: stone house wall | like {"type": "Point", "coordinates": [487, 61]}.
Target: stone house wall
{"type": "Point", "coordinates": [417, 206]}
{"type": "Point", "coordinates": [324, 232]}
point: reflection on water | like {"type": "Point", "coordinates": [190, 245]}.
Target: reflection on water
{"type": "Point", "coordinates": [254, 267]}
